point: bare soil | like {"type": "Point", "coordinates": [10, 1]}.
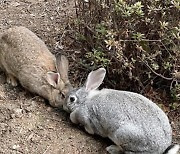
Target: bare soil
{"type": "Point", "coordinates": [28, 125]}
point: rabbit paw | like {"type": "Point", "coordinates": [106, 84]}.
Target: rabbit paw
{"type": "Point", "coordinates": [73, 117]}
{"type": "Point", "coordinates": [11, 80]}
{"type": "Point", "coordinates": [114, 149]}
{"type": "Point", "coordinates": [89, 129]}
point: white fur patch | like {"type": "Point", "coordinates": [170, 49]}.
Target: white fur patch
{"type": "Point", "coordinates": [93, 93]}
{"type": "Point", "coordinates": [174, 150]}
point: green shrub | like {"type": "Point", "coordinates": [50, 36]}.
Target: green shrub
{"type": "Point", "coordinates": [137, 41]}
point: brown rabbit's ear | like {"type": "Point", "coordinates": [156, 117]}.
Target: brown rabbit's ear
{"type": "Point", "coordinates": [53, 78]}
{"type": "Point", "coordinates": [62, 67]}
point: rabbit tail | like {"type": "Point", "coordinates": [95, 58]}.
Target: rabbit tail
{"type": "Point", "coordinates": [172, 149]}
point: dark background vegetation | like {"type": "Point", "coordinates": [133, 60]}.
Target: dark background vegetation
{"type": "Point", "coordinates": [136, 41]}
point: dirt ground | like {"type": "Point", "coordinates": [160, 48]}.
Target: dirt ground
{"type": "Point", "coordinates": [28, 125]}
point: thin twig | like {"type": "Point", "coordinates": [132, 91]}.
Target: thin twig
{"type": "Point", "coordinates": [146, 40]}
{"type": "Point", "coordinates": [160, 75]}
{"type": "Point", "coordinates": [171, 85]}
{"type": "Point", "coordinates": [53, 119]}
{"type": "Point", "coordinates": [167, 50]}
{"type": "Point", "coordinates": [46, 149]}
{"type": "Point", "coordinates": [63, 35]}
{"type": "Point", "coordinates": [29, 7]}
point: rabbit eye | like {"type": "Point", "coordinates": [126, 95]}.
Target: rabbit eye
{"type": "Point", "coordinates": [63, 96]}
{"type": "Point", "coordinates": [72, 99]}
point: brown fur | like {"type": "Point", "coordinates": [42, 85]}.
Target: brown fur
{"type": "Point", "coordinates": [25, 57]}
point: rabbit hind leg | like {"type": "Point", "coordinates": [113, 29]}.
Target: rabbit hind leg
{"type": "Point", "coordinates": [130, 138]}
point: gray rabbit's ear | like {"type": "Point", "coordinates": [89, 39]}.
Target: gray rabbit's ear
{"type": "Point", "coordinates": [95, 79]}
{"type": "Point", "coordinates": [62, 65]}
{"type": "Point", "coordinates": [53, 78]}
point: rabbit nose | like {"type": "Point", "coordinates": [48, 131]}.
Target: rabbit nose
{"type": "Point", "coordinates": [63, 96]}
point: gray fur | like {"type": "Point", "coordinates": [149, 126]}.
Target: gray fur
{"type": "Point", "coordinates": [133, 122]}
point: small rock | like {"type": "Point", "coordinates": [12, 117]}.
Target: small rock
{"type": "Point", "coordinates": [49, 109]}
{"type": "Point", "coordinates": [33, 15]}
{"type": "Point", "coordinates": [16, 4]}
{"type": "Point", "coordinates": [15, 147]}
{"type": "Point", "coordinates": [17, 113]}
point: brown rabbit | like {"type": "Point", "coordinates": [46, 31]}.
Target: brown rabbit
{"type": "Point", "coordinates": [26, 58]}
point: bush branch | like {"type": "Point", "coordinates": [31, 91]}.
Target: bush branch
{"type": "Point", "coordinates": [160, 75]}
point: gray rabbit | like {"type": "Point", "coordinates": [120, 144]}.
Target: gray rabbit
{"type": "Point", "coordinates": [135, 124]}
{"type": "Point", "coordinates": [25, 58]}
